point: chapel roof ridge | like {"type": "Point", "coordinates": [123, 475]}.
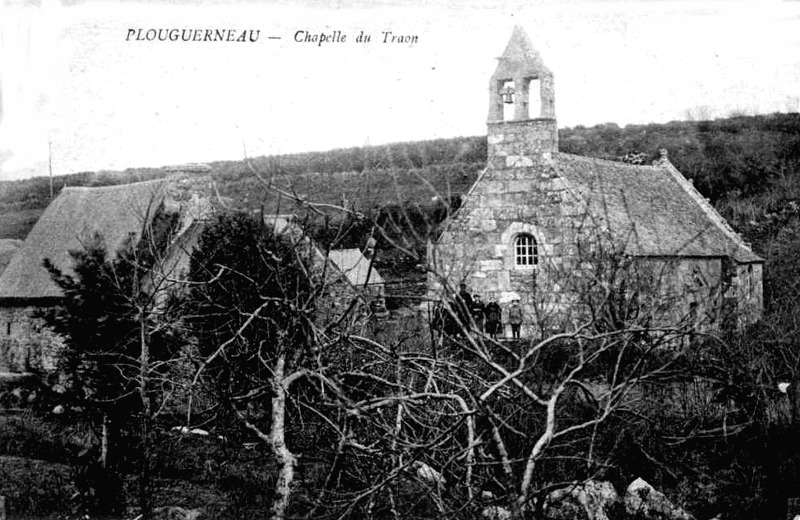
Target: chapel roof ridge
{"type": "Point", "coordinates": [658, 164]}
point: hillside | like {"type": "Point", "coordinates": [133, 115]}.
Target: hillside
{"type": "Point", "coordinates": [747, 166]}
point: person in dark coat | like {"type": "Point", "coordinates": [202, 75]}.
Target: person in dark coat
{"type": "Point", "coordinates": [476, 311]}
{"type": "Point", "coordinates": [493, 318]}
{"type": "Point", "coordinates": [463, 305]}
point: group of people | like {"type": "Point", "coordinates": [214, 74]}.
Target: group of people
{"type": "Point", "coordinates": [487, 317]}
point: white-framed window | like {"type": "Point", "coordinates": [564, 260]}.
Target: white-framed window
{"type": "Point", "coordinates": [525, 251]}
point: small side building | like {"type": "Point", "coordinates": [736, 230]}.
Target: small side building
{"type": "Point", "coordinates": [353, 289]}
{"type": "Point", "coordinates": [357, 270]}
{"type": "Point", "coordinates": [116, 213]}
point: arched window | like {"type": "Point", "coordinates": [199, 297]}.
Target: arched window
{"type": "Point", "coordinates": [525, 253]}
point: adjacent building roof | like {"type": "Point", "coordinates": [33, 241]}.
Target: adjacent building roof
{"type": "Point", "coordinates": [8, 247]}
{"type": "Point", "coordinates": [658, 211]}
{"type": "Point", "coordinates": [177, 262]}
{"type": "Point", "coordinates": [350, 262]}
{"type": "Point", "coordinates": [117, 213]}
{"type": "Point", "coordinates": [355, 267]}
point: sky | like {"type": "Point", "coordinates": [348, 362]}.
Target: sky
{"type": "Point", "coordinates": [80, 93]}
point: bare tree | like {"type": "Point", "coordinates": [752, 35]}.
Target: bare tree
{"type": "Point", "coordinates": [121, 327]}
{"type": "Point", "coordinates": [403, 425]}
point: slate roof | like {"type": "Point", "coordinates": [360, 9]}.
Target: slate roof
{"type": "Point", "coordinates": [355, 266]}
{"type": "Point", "coordinates": [73, 218]}
{"type": "Point", "coordinates": [653, 208]}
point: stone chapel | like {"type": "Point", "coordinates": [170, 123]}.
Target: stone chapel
{"type": "Point", "coordinates": [548, 228]}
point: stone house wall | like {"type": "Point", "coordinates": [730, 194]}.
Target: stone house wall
{"type": "Point", "coordinates": [685, 293]}
{"type": "Point", "coordinates": [748, 291]}
{"type": "Point", "coordinates": [339, 294]}
{"type": "Point", "coordinates": [26, 344]}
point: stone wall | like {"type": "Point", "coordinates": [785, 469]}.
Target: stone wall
{"type": "Point", "coordinates": [338, 295]}
{"type": "Point", "coordinates": [748, 291]}
{"type": "Point", "coordinates": [521, 138]}
{"type": "Point", "coordinates": [686, 293]}
{"type": "Point", "coordinates": [26, 344]}
{"type": "Point", "coordinates": [576, 266]}
{"type": "Point", "coordinates": [516, 195]}
{"type": "Point", "coordinates": [336, 299]}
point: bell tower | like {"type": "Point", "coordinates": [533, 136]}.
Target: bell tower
{"type": "Point", "coordinates": [522, 114]}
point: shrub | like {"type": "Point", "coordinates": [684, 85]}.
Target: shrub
{"type": "Point", "coordinates": [35, 487]}
{"type": "Point", "coordinates": [27, 435]}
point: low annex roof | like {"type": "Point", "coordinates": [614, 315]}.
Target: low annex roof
{"type": "Point", "coordinates": [355, 267]}
{"type": "Point", "coordinates": [658, 211]}
{"type": "Point", "coordinates": [117, 213]}
{"type": "Point", "coordinates": [350, 262]}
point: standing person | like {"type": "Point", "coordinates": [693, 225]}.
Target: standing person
{"type": "Point", "coordinates": [476, 311]}
{"type": "Point", "coordinates": [463, 305]}
{"type": "Point", "coordinates": [493, 318]}
{"type": "Point", "coordinates": [515, 318]}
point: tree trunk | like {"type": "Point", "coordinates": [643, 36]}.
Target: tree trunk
{"type": "Point", "coordinates": [277, 440]}
{"type": "Point", "coordinates": [145, 503]}
{"type": "Point", "coordinates": [104, 443]}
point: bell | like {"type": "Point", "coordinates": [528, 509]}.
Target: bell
{"type": "Point", "coordinates": [507, 95]}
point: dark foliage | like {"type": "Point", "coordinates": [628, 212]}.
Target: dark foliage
{"type": "Point", "coordinates": [107, 317]}
{"type": "Point", "coordinates": [252, 296]}
{"type": "Point", "coordinates": [34, 488]}
{"type": "Point", "coordinates": [104, 300]}
{"type": "Point", "coordinates": [740, 154]}
{"type": "Point", "coordinates": [403, 156]}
